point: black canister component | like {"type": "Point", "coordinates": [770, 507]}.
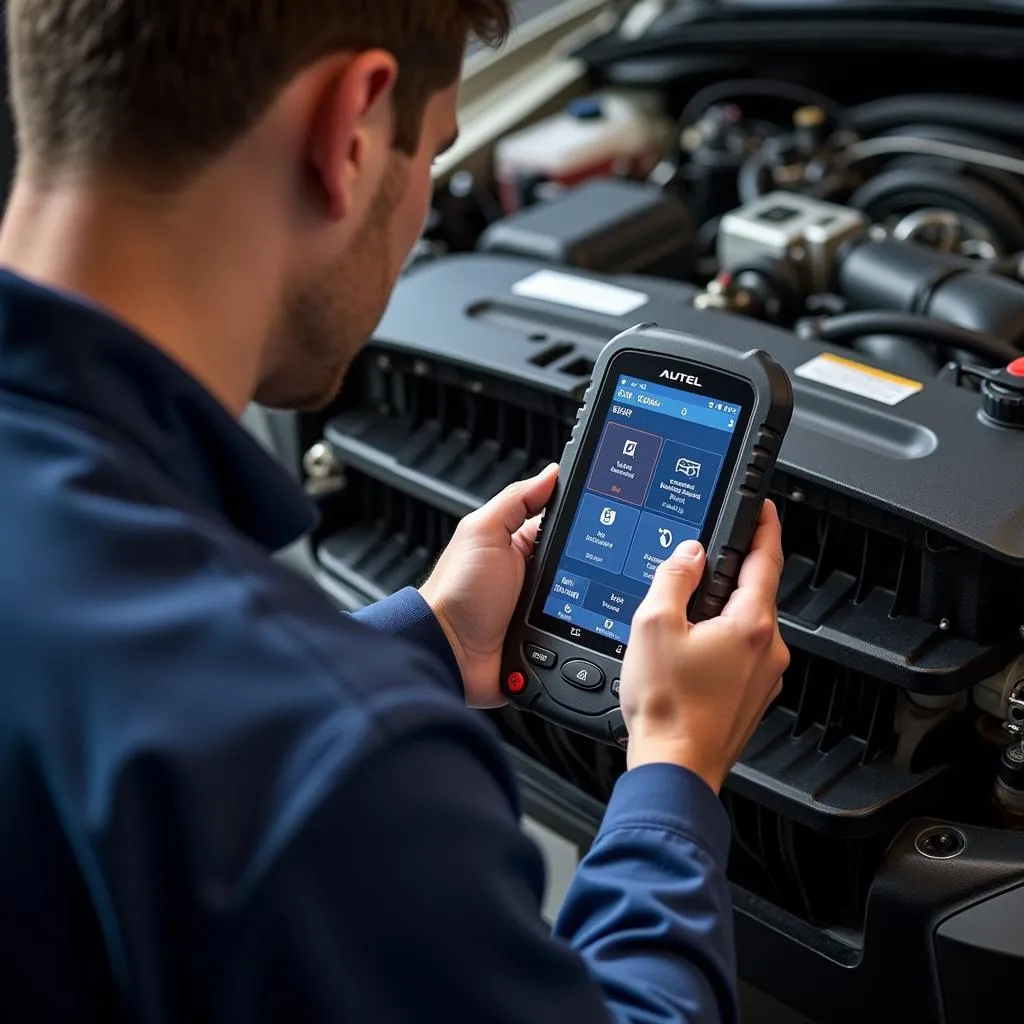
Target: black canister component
{"type": "Point", "coordinates": [715, 149]}
{"type": "Point", "coordinates": [911, 278]}
{"type": "Point", "coordinates": [1011, 768]}
{"type": "Point", "coordinates": [607, 225]}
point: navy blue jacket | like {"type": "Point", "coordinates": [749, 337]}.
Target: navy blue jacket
{"type": "Point", "coordinates": [221, 799]}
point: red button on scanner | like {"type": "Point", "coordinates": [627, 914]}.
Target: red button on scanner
{"type": "Point", "coordinates": [516, 682]}
{"type": "Point", "coordinates": [1016, 368]}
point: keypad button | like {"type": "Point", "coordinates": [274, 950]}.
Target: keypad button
{"type": "Point", "coordinates": [516, 682]}
{"type": "Point", "coordinates": [615, 687]}
{"type": "Point", "coordinates": [762, 459]}
{"type": "Point", "coordinates": [583, 675]}
{"type": "Point", "coordinates": [728, 564]}
{"type": "Point", "coordinates": [752, 480]}
{"type": "Point", "coordinates": [540, 657]}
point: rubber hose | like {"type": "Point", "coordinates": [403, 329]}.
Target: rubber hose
{"type": "Point", "coordinates": [998, 117]}
{"type": "Point", "coordinates": [754, 178]}
{"type": "Point", "coordinates": [904, 188]}
{"type": "Point", "coordinates": [956, 136]}
{"type": "Point", "coordinates": [848, 327]}
{"type": "Point", "coordinates": [1002, 180]}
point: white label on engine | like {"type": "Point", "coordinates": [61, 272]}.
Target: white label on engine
{"type": "Point", "coordinates": [568, 290]}
{"type": "Point", "coordinates": [858, 379]}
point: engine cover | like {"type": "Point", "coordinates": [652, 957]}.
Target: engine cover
{"type": "Point", "coordinates": [903, 589]}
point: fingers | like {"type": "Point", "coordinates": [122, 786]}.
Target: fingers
{"type": "Point", "coordinates": [757, 589]}
{"type": "Point", "coordinates": [673, 586]}
{"type": "Point", "coordinates": [520, 501]}
{"type": "Point", "coordinates": [525, 537]}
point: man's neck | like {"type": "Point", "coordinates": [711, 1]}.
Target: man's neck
{"type": "Point", "coordinates": [172, 271]}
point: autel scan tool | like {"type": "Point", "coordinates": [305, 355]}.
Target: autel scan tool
{"type": "Point", "coordinates": [676, 439]}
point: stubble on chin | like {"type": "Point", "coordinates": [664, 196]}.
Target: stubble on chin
{"type": "Point", "coordinates": [325, 322]}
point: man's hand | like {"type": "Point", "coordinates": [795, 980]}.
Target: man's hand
{"type": "Point", "coordinates": [475, 585]}
{"type": "Point", "coordinates": [693, 695]}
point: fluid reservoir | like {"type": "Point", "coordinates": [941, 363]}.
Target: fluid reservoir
{"type": "Point", "coordinates": [608, 133]}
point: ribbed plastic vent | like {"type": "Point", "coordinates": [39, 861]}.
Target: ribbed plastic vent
{"type": "Point", "coordinates": [380, 539]}
{"type": "Point", "coordinates": [833, 704]}
{"type": "Point", "coordinates": [844, 551]}
{"type": "Point", "coordinates": [849, 549]}
{"type": "Point", "coordinates": [821, 879]}
{"type": "Point", "coordinates": [452, 438]}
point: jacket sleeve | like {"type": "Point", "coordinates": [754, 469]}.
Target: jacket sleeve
{"type": "Point", "coordinates": [411, 894]}
{"type": "Point", "coordinates": [406, 615]}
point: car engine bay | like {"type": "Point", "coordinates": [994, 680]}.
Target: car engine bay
{"type": "Point", "coordinates": [857, 211]}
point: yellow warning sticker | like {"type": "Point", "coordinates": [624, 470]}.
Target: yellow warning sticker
{"type": "Point", "coordinates": [857, 379]}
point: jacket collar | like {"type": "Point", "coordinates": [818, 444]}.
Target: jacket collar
{"type": "Point", "coordinates": [62, 350]}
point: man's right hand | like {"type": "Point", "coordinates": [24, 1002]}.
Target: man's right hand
{"type": "Point", "coordinates": [693, 695]}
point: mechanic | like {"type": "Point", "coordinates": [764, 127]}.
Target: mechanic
{"type": "Point", "coordinates": [220, 799]}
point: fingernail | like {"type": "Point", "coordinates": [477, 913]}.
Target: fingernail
{"type": "Point", "coordinates": [689, 550]}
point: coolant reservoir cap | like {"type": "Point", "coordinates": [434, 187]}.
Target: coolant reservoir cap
{"type": "Point", "coordinates": [1002, 395]}
{"type": "Point", "coordinates": [586, 108]}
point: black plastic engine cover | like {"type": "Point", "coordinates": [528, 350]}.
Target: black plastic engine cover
{"type": "Point", "coordinates": [931, 458]}
{"type": "Point", "coordinates": [902, 524]}
{"type": "Point", "coordinates": [933, 608]}
{"type": "Point", "coordinates": [920, 941]}
{"type": "Point", "coordinates": [904, 533]}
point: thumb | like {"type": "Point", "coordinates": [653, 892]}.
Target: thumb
{"type": "Point", "coordinates": [676, 580]}
{"type": "Point", "coordinates": [523, 500]}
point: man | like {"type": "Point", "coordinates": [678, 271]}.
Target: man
{"type": "Point", "coordinates": [219, 798]}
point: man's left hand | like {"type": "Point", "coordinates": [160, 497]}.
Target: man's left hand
{"type": "Point", "coordinates": [476, 583]}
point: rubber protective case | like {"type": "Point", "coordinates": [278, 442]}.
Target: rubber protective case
{"type": "Point", "coordinates": [594, 711]}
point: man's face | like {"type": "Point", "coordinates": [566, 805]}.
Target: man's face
{"type": "Point", "coordinates": [330, 311]}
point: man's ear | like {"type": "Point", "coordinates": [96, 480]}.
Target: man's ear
{"type": "Point", "coordinates": [353, 127]}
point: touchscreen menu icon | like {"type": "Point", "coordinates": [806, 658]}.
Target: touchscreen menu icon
{"type": "Point", "coordinates": [601, 533]}
{"type": "Point", "coordinates": [652, 543]}
{"type": "Point", "coordinates": [684, 481]}
{"type": "Point", "coordinates": [688, 468]}
{"type": "Point", "coordinates": [624, 463]}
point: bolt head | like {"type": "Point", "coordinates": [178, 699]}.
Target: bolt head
{"type": "Point", "coordinates": [319, 461]}
{"type": "Point", "coordinates": [941, 842]}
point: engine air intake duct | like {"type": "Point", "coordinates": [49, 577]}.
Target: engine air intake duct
{"type": "Point", "coordinates": [911, 278]}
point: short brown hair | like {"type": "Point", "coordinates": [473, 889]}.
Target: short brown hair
{"type": "Point", "coordinates": [163, 86]}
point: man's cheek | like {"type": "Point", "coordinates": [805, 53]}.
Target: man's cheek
{"type": "Point", "coordinates": [418, 206]}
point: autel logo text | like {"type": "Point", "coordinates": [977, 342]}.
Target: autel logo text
{"type": "Point", "coordinates": [682, 378]}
